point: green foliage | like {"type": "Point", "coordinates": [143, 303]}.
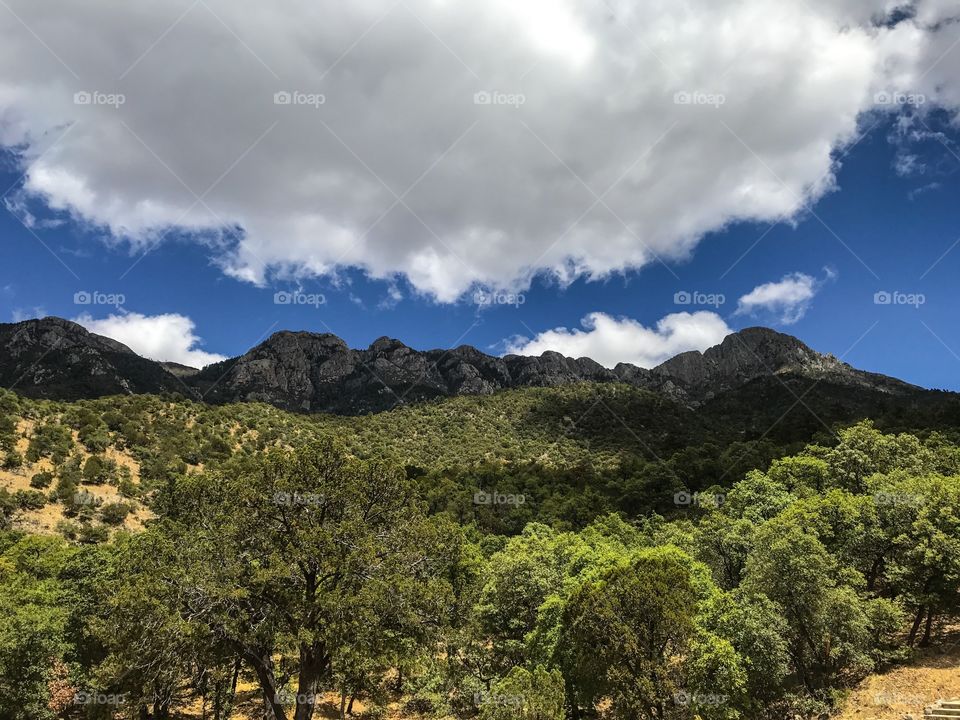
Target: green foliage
{"type": "Point", "coordinates": [12, 460]}
{"type": "Point", "coordinates": [32, 624]}
{"type": "Point", "coordinates": [41, 480]}
{"type": "Point", "coordinates": [525, 695]}
{"type": "Point", "coordinates": [369, 569]}
{"type": "Point", "coordinates": [52, 440]}
{"type": "Point", "coordinates": [29, 499]}
{"type": "Point", "coordinates": [115, 513]}
{"type": "Point", "coordinates": [622, 632]}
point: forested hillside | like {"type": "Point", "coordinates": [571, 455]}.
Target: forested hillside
{"type": "Point", "coordinates": [591, 551]}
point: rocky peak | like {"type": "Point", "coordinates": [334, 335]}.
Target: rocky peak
{"type": "Point", "coordinates": [56, 358]}
{"type": "Point", "coordinates": [54, 332]}
{"type": "Point", "coordinates": [314, 372]}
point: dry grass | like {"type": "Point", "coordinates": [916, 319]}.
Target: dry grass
{"type": "Point", "coordinates": [44, 521]}
{"type": "Point", "coordinates": [906, 690]}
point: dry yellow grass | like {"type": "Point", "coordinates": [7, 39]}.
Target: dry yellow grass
{"type": "Point", "coordinates": [44, 521]}
{"type": "Point", "coordinates": [906, 690]}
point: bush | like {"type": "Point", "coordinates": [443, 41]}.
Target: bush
{"type": "Point", "coordinates": [115, 513]}
{"type": "Point", "coordinates": [92, 534]}
{"type": "Point", "coordinates": [30, 499]}
{"type": "Point", "coordinates": [12, 460]}
{"type": "Point", "coordinates": [42, 480]}
{"type": "Point", "coordinates": [69, 529]}
{"type": "Point", "coordinates": [8, 507]}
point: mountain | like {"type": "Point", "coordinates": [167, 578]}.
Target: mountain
{"type": "Point", "coordinates": [756, 353]}
{"type": "Point", "coordinates": [310, 372]}
{"type": "Point", "coordinates": [61, 360]}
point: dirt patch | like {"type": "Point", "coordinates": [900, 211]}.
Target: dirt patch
{"type": "Point", "coordinates": [933, 675]}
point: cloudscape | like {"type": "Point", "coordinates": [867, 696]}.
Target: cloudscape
{"type": "Point", "coordinates": [428, 151]}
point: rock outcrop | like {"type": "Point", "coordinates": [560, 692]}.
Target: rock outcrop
{"type": "Point", "coordinates": [59, 359]}
{"type": "Point", "coordinates": [311, 372]}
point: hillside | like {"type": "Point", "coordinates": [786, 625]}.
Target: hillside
{"type": "Point", "coordinates": [319, 373]}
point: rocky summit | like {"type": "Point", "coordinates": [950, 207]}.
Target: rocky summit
{"type": "Point", "coordinates": [311, 372]}
{"type": "Point", "coordinates": [59, 359]}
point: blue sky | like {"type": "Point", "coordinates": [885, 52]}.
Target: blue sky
{"type": "Point", "coordinates": [168, 169]}
{"type": "Point", "coordinates": [893, 226]}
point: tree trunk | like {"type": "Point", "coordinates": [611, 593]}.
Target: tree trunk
{"type": "Point", "coordinates": [353, 696]}
{"type": "Point", "coordinates": [313, 664]}
{"type": "Point", "coordinates": [574, 706]}
{"type": "Point", "coordinates": [261, 664]}
{"type": "Point", "coordinates": [343, 704]}
{"type": "Point", "coordinates": [925, 642]}
{"type": "Point", "coordinates": [874, 573]}
{"type": "Point", "coordinates": [911, 639]}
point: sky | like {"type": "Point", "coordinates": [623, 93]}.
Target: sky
{"type": "Point", "coordinates": [573, 175]}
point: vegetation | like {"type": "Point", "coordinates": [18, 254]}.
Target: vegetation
{"type": "Point", "coordinates": [477, 558]}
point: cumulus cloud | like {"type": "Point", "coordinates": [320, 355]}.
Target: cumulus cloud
{"type": "Point", "coordinates": [167, 338]}
{"type": "Point", "coordinates": [788, 299]}
{"type": "Point", "coordinates": [476, 142]}
{"type": "Point", "coordinates": [610, 340]}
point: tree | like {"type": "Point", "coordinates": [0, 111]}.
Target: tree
{"type": "Point", "coordinates": [32, 619]}
{"type": "Point", "coordinates": [524, 695]}
{"type": "Point", "coordinates": [757, 632]}
{"type": "Point", "coordinates": [830, 637]}
{"type": "Point", "coordinates": [622, 633]}
{"type": "Point", "coordinates": [294, 556]}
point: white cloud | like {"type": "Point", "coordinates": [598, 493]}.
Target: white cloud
{"type": "Point", "coordinates": [167, 338]}
{"type": "Point", "coordinates": [610, 340]}
{"type": "Point", "coordinates": [489, 194]}
{"type": "Point", "coordinates": [788, 298]}
{"type": "Point", "coordinates": [21, 314]}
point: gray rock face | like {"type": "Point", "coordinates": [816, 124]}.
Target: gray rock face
{"type": "Point", "coordinates": [310, 372]}
{"type": "Point", "coordinates": [313, 373]}
{"type": "Point", "coordinates": [753, 353]}
{"type": "Point", "coordinates": [59, 359]}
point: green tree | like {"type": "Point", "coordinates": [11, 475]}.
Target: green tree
{"type": "Point", "coordinates": [294, 555]}
{"type": "Point", "coordinates": [623, 632]}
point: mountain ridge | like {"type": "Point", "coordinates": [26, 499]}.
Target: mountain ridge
{"type": "Point", "coordinates": [318, 372]}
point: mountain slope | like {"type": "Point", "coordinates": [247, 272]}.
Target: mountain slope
{"type": "Point", "coordinates": [310, 372]}
{"type": "Point", "coordinates": [59, 359]}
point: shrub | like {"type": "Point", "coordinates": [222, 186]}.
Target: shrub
{"type": "Point", "coordinates": [12, 460]}
{"type": "Point", "coordinates": [42, 480]}
{"type": "Point", "coordinates": [30, 499]}
{"type": "Point", "coordinates": [115, 513]}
